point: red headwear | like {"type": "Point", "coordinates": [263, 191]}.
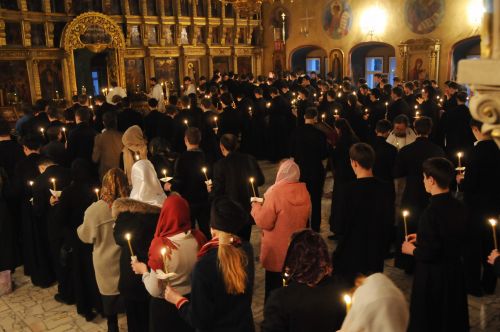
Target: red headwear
{"type": "Point", "coordinates": [174, 219]}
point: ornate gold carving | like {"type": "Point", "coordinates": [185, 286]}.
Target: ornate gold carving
{"type": "Point", "coordinates": [423, 47]}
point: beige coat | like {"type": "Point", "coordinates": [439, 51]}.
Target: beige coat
{"type": "Point", "coordinates": [97, 229]}
{"type": "Point", "coordinates": [107, 149]}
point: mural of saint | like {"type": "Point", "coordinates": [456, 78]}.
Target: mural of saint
{"type": "Point", "coordinates": [337, 18]}
{"type": "Point", "coordinates": [423, 16]}
{"type": "Point", "coordinates": [418, 71]}
{"type": "Point", "coordinates": [337, 66]}
{"type": "Point", "coordinates": [184, 36]}
{"type": "Point", "coordinates": [15, 80]}
{"type": "Point", "coordinates": [166, 70]}
{"type": "Point", "coordinates": [134, 73]}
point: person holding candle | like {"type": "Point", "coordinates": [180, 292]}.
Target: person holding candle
{"type": "Point", "coordinates": [311, 297]}
{"type": "Point", "coordinates": [231, 177]}
{"type": "Point", "coordinates": [175, 236]}
{"type": "Point", "coordinates": [230, 120]}
{"type": "Point", "coordinates": [365, 218]}
{"type": "Point", "coordinates": [189, 181]}
{"type": "Point", "coordinates": [102, 107]}
{"type": "Point", "coordinates": [245, 108]}
{"type": "Point", "coordinates": [480, 183]}
{"type": "Point", "coordinates": [185, 118]}
{"type": "Point", "coordinates": [81, 139]}
{"type": "Point", "coordinates": [398, 105]}
{"type": "Point", "coordinates": [108, 145]}
{"type": "Point", "coordinates": [137, 216]}
{"type": "Point", "coordinates": [157, 124]}
{"type": "Point", "coordinates": [495, 261]}
{"type": "Point", "coordinates": [77, 258]}
{"type": "Point", "coordinates": [97, 229]}
{"type": "Point", "coordinates": [55, 148]}
{"type": "Point", "coordinates": [281, 125]}
{"type": "Point", "coordinates": [308, 148]}
{"type": "Point", "coordinates": [223, 277]}
{"type": "Point", "coordinates": [134, 144]}
{"type": "Point", "coordinates": [438, 248]}
{"type": "Point", "coordinates": [286, 209]}
{"type": "Point", "coordinates": [377, 305]}
{"type": "Point", "coordinates": [128, 117]}
{"type": "Point", "coordinates": [209, 123]}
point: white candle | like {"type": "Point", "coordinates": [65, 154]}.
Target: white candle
{"type": "Point", "coordinates": [253, 188]}
{"type": "Point", "coordinates": [204, 170]}
{"type": "Point", "coordinates": [460, 155]}
{"type": "Point", "coordinates": [53, 184]}
{"type": "Point", "coordinates": [128, 237]}
{"type": "Point", "coordinates": [493, 223]}
{"type": "Point", "coordinates": [348, 302]}
{"type": "Point", "coordinates": [96, 190]}
{"type": "Point", "coordinates": [406, 213]}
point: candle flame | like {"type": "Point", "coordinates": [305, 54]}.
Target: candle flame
{"type": "Point", "coordinates": [42, 130]}
{"type": "Point", "coordinates": [164, 172]}
{"type": "Point", "coordinates": [252, 180]}
{"type": "Point", "coordinates": [31, 183]}
{"type": "Point", "coordinates": [347, 299]}
{"type": "Point", "coordinates": [52, 180]}
{"type": "Point", "coordinates": [406, 213]}
{"type": "Point", "coordinates": [128, 236]}
{"type": "Point", "coordinates": [460, 154]}
{"type": "Point", "coordinates": [339, 94]}
{"type": "Point", "coordinates": [386, 103]}
{"type": "Point", "coordinates": [96, 190]}
{"type": "Point", "coordinates": [493, 222]}
{"type": "Point", "coordinates": [215, 118]}
{"type": "Point", "coordinates": [163, 251]}
{"type": "Point", "coordinates": [204, 169]}
{"type": "Point", "coordinates": [63, 128]}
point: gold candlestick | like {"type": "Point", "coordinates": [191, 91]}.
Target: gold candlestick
{"type": "Point", "coordinates": [128, 237]}
{"type": "Point", "coordinates": [253, 187]}
{"type": "Point", "coordinates": [406, 213]}
{"type": "Point", "coordinates": [493, 223]}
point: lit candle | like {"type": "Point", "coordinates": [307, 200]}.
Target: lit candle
{"type": "Point", "coordinates": [164, 171]}
{"type": "Point", "coordinates": [136, 156]}
{"type": "Point", "coordinates": [354, 93]}
{"type": "Point", "coordinates": [186, 123]}
{"type": "Point", "coordinates": [339, 94]}
{"type": "Point", "coordinates": [336, 112]}
{"type": "Point", "coordinates": [323, 117]}
{"type": "Point", "coordinates": [268, 105]}
{"type": "Point", "coordinates": [348, 302]}
{"type": "Point", "coordinates": [31, 183]}
{"type": "Point", "coordinates": [493, 223]}
{"type": "Point", "coordinates": [366, 110]}
{"type": "Point", "coordinates": [250, 109]}
{"type": "Point", "coordinates": [460, 155]}
{"type": "Point", "coordinates": [386, 104]}
{"type": "Point", "coordinates": [96, 190]}
{"type": "Point", "coordinates": [57, 94]}
{"type": "Point", "coordinates": [53, 184]}
{"type": "Point", "coordinates": [128, 237]}
{"type": "Point", "coordinates": [215, 120]}
{"type": "Point", "coordinates": [417, 115]}
{"type": "Point", "coordinates": [406, 213]}
{"type": "Point", "coordinates": [204, 170]}
{"type": "Point", "coordinates": [42, 131]}
{"type": "Point", "coordinates": [64, 133]}
{"type": "Point", "coordinates": [253, 188]}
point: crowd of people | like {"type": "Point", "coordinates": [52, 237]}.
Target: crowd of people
{"type": "Point", "coordinates": [145, 204]}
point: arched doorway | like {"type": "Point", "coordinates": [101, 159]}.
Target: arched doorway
{"type": "Point", "coordinates": [309, 58]}
{"type": "Point", "coordinates": [94, 47]}
{"type": "Point", "coordinates": [367, 59]}
{"type": "Point", "coordinates": [469, 48]}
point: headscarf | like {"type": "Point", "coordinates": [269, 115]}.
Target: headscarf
{"type": "Point", "coordinates": [134, 144]}
{"type": "Point", "coordinates": [288, 172]}
{"type": "Point", "coordinates": [174, 219]}
{"type": "Point", "coordinates": [146, 187]}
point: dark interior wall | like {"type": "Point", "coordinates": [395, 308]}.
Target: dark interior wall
{"type": "Point", "coordinates": [300, 55]}
{"type": "Point", "coordinates": [359, 53]}
{"type": "Point", "coordinates": [462, 50]}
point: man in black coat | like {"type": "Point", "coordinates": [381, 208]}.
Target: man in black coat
{"type": "Point", "coordinates": [439, 297]}
{"type": "Point", "coordinates": [280, 125]}
{"type": "Point", "coordinates": [480, 184]}
{"type": "Point", "coordinates": [81, 139]}
{"type": "Point", "coordinates": [409, 96]}
{"type": "Point", "coordinates": [128, 117]}
{"type": "Point", "coordinates": [48, 236]}
{"type": "Point", "coordinates": [364, 220]}
{"type": "Point", "coordinates": [231, 177]}
{"type": "Point", "coordinates": [230, 119]}
{"type": "Point", "coordinates": [409, 165]}
{"type": "Point", "coordinates": [245, 108]}
{"type": "Point", "coordinates": [385, 153]}
{"type": "Point", "coordinates": [157, 124]}
{"type": "Point", "coordinates": [101, 107]}
{"type": "Point", "coordinates": [209, 127]}
{"type": "Point", "coordinates": [54, 149]}
{"type": "Point", "coordinates": [187, 117]}
{"type": "Point", "coordinates": [189, 180]}
{"type": "Point", "coordinates": [398, 106]}
{"type": "Point", "coordinates": [308, 147]}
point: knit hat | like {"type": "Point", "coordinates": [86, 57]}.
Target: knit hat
{"type": "Point", "coordinates": [227, 215]}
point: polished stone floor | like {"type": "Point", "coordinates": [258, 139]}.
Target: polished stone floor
{"type": "Point", "coordinates": [30, 308]}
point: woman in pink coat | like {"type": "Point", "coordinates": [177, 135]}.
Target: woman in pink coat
{"type": "Point", "coordinates": [286, 209]}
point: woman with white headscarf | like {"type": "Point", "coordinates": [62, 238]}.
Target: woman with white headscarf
{"type": "Point", "coordinates": [136, 219]}
{"type": "Point", "coordinates": [286, 209]}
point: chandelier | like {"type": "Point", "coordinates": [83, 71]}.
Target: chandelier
{"type": "Point", "coordinates": [248, 8]}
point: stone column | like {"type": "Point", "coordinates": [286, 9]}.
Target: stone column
{"type": "Point", "coordinates": [485, 104]}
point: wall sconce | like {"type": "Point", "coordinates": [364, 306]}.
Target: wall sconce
{"type": "Point", "coordinates": [373, 21]}
{"type": "Point", "coordinates": [475, 13]}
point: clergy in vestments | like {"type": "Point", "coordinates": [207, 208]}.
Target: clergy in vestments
{"type": "Point", "coordinates": [157, 93]}
{"type": "Point", "coordinates": [308, 148]}
{"type": "Point", "coordinates": [439, 297]}
{"type": "Point", "coordinates": [48, 237]}
{"type": "Point", "coordinates": [364, 218]}
{"type": "Point", "coordinates": [409, 166]}
{"type": "Point", "coordinates": [231, 177]}
{"type": "Point", "coordinates": [480, 183]}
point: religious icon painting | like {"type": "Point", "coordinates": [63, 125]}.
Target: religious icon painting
{"type": "Point", "coordinates": [337, 18]}
{"type": "Point", "coordinates": [166, 70]}
{"type": "Point", "coordinates": [14, 86]}
{"type": "Point", "coordinates": [134, 73]}
{"type": "Point", "coordinates": [423, 16]}
{"type": "Point", "coordinates": [13, 33]}
{"type": "Point", "coordinates": [51, 82]}
{"type": "Point", "coordinates": [135, 36]}
{"type": "Point", "coordinates": [153, 35]}
{"type": "Point", "coordinates": [337, 63]}
{"type": "Point", "coordinates": [221, 63]}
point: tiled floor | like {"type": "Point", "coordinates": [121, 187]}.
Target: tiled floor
{"type": "Point", "coordinates": [33, 309]}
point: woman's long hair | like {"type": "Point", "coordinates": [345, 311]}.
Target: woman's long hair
{"type": "Point", "coordinates": [232, 263]}
{"type": "Point", "coordinates": [114, 185]}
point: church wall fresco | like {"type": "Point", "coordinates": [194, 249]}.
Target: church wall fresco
{"type": "Point", "coordinates": [441, 20]}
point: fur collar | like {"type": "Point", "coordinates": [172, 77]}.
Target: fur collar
{"type": "Point", "coordinates": [133, 206]}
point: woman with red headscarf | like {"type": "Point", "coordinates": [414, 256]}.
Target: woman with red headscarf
{"type": "Point", "coordinates": [286, 209]}
{"type": "Point", "coordinates": [172, 256]}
